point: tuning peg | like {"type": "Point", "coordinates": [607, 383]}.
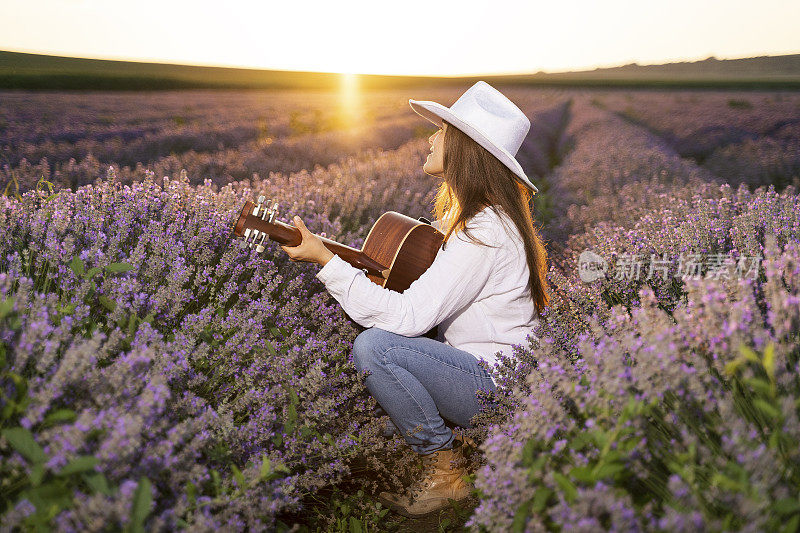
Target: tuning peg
{"type": "Point", "coordinates": [243, 244]}
{"type": "Point", "coordinates": [273, 212]}
{"type": "Point", "coordinates": [260, 245]}
{"type": "Point", "coordinates": [270, 211]}
{"type": "Point", "coordinates": [255, 236]}
{"type": "Point", "coordinates": [260, 207]}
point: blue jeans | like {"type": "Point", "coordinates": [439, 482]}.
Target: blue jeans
{"type": "Point", "coordinates": [418, 381]}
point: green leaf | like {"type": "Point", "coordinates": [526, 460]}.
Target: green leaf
{"type": "Point", "coordinates": [58, 416]}
{"type": "Point", "coordinates": [217, 482]}
{"type": "Point", "coordinates": [133, 324]}
{"type": "Point", "coordinates": [609, 470]}
{"type": "Point", "coordinates": [732, 366]}
{"type": "Point", "coordinates": [77, 266]}
{"type": "Point", "coordinates": [632, 408]}
{"type": "Point", "coordinates": [79, 464]}
{"type": "Point", "coordinates": [107, 303]}
{"type": "Point", "coordinates": [521, 516]}
{"type": "Point", "coordinates": [725, 482]}
{"type": "Point", "coordinates": [759, 385]}
{"type": "Point", "coordinates": [599, 437]}
{"type": "Point", "coordinates": [6, 306]}
{"type": "Point", "coordinates": [142, 502]}
{"type": "Point", "coordinates": [583, 473]}
{"type": "Point", "coordinates": [49, 499]}
{"type": "Point", "coordinates": [540, 499]}
{"type": "Point", "coordinates": [579, 442]}
{"type": "Point", "coordinates": [239, 477]}
{"type": "Point", "coordinates": [22, 441]}
{"type": "Point", "coordinates": [769, 361]}
{"type": "Point", "coordinates": [265, 467]}
{"type": "Point", "coordinates": [767, 408]}
{"type": "Point", "coordinates": [116, 268]}
{"type": "Point", "coordinates": [291, 418]}
{"type": "Point", "coordinates": [534, 471]}
{"type": "Point", "coordinates": [786, 506]}
{"type": "Point", "coordinates": [749, 354]}
{"type": "Point", "coordinates": [191, 492]}
{"type": "Point", "coordinates": [355, 525]}
{"type": "Point", "coordinates": [37, 474]}
{"type": "Point", "coordinates": [277, 472]}
{"type": "Point", "coordinates": [792, 525]}
{"type": "Point", "coordinates": [570, 492]}
{"type": "Point", "coordinates": [67, 309]}
{"type": "Point", "coordinates": [92, 271]}
{"type": "Point", "coordinates": [97, 482]}
{"type": "Point", "coordinates": [270, 348]}
{"type": "Point", "coordinates": [528, 452]}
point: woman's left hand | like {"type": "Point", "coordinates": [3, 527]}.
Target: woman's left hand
{"type": "Point", "coordinates": [311, 249]}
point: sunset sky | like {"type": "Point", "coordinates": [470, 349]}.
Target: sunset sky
{"type": "Point", "coordinates": [435, 37]}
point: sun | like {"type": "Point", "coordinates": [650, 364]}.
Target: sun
{"type": "Point", "coordinates": [350, 98]}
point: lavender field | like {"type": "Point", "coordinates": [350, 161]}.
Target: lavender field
{"type": "Point", "coordinates": [156, 376]}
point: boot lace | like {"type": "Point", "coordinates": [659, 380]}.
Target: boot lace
{"type": "Point", "coordinates": [428, 462]}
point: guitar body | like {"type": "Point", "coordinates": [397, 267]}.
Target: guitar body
{"type": "Point", "coordinates": [396, 252]}
{"type": "Point", "coordinates": [407, 246]}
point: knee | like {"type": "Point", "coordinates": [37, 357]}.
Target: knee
{"type": "Point", "coordinates": [366, 348]}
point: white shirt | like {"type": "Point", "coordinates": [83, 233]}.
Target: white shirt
{"type": "Point", "coordinates": [478, 296]}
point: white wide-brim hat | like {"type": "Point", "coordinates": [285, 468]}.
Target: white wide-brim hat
{"type": "Point", "coordinates": [489, 118]}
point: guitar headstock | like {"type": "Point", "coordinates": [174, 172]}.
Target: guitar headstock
{"type": "Point", "coordinates": [256, 223]}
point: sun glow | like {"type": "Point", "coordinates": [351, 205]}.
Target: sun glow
{"type": "Point", "coordinates": [351, 108]}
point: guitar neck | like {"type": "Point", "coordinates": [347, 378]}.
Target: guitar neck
{"type": "Point", "coordinates": [288, 235]}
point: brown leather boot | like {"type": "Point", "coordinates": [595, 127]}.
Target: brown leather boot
{"type": "Point", "coordinates": [441, 480]}
{"type": "Point", "coordinates": [470, 444]}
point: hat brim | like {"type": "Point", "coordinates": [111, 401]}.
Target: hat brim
{"type": "Point", "coordinates": [436, 112]}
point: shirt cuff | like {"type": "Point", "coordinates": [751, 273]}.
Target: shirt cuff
{"type": "Point", "coordinates": [331, 268]}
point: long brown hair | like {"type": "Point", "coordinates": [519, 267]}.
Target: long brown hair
{"type": "Point", "coordinates": [475, 179]}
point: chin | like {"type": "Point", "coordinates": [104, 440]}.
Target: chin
{"type": "Point", "coordinates": [431, 172]}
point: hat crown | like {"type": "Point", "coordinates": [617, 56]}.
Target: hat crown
{"type": "Point", "coordinates": [498, 118]}
{"type": "Point", "coordinates": [493, 121]}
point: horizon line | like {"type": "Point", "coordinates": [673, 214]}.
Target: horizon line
{"type": "Point", "coordinates": [244, 67]}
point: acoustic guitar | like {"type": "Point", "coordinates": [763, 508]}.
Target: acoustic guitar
{"type": "Point", "coordinates": [397, 251]}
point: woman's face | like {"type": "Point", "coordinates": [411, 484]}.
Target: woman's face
{"type": "Point", "coordinates": [434, 164]}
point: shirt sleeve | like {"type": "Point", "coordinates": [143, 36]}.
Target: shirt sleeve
{"type": "Point", "coordinates": [456, 277]}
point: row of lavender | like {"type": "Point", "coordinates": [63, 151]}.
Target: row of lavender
{"type": "Point", "coordinates": [159, 375]}
{"type": "Point", "coordinates": [750, 137]}
{"type": "Point", "coordinates": [71, 139]}
{"type": "Point", "coordinates": [655, 399]}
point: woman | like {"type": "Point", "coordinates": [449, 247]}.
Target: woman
{"type": "Point", "coordinates": [485, 294]}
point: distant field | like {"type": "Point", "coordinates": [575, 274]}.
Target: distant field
{"type": "Point", "coordinates": [41, 72]}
